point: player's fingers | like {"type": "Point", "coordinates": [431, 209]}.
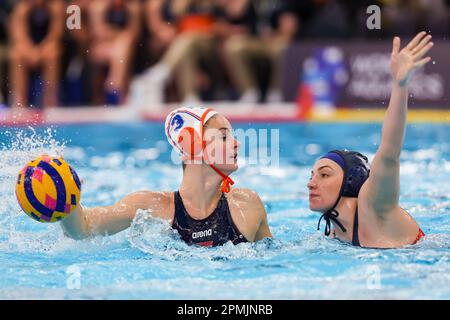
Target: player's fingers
{"type": "Point", "coordinates": [422, 62]}
{"type": "Point", "coordinates": [414, 42]}
{"type": "Point", "coordinates": [422, 44]}
{"type": "Point", "coordinates": [396, 46]}
{"type": "Point", "coordinates": [423, 51]}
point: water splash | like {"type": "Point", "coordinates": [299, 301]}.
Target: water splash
{"type": "Point", "coordinates": [19, 146]}
{"type": "Point", "coordinates": [155, 237]}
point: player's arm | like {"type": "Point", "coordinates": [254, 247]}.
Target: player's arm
{"type": "Point", "coordinates": [85, 222]}
{"type": "Point", "coordinates": [381, 192]}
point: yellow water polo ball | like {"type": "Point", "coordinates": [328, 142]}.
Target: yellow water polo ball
{"type": "Point", "coordinates": [48, 189]}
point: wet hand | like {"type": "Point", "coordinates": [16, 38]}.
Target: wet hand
{"type": "Point", "coordinates": [406, 61]}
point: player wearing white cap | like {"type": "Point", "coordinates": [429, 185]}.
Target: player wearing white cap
{"type": "Point", "coordinates": [205, 210]}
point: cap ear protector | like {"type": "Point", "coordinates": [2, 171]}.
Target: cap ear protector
{"type": "Point", "coordinates": [190, 143]}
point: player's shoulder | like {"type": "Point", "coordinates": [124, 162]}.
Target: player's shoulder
{"type": "Point", "coordinates": [246, 197]}
{"type": "Point", "coordinates": [243, 193]}
{"type": "Point", "coordinates": [149, 197]}
{"type": "Point", "coordinates": [159, 203]}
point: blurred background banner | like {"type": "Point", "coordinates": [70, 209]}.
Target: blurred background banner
{"type": "Point", "coordinates": [356, 74]}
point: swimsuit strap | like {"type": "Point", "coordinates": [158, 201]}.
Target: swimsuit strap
{"type": "Point", "coordinates": [355, 238]}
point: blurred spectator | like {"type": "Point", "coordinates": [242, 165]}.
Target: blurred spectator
{"type": "Point", "coordinates": [197, 44]}
{"type": "Point", "coordinates": [115, 27]}
{"type": "Point", "coordinates": [356, 15]}
{"type": "Point", "coordinates": [329, 20]}
{"type": "Point", "coordinates": [403, 17]}
{"type": "Point", "coordinates": [76, 82]}
{"type": "Point", "coordinates": [437, 13]}
{"type": "Point", "coordinates": [3, 44]}
{"type": "Point", "coordinates": [36, 28]}
{"type": "Point", "coordinates": [160, 25]}
{"type": "Point", "coordinates": [193, 40]}
{"type": "Point", "coordinates": [243, 45]}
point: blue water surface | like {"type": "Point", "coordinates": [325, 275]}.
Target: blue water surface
{"type": "Point", "coordinates": [147, 261]}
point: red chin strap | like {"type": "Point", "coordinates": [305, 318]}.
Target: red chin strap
{"type": "Point", "coordinates": [227, 182]}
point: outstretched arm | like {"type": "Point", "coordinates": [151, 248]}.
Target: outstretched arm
{"type": "Point", "coordinates": [85, 222]}
{"type": "Point", "coordinates": [383, 186]}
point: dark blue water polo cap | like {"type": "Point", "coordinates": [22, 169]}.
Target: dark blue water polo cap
{"type": "Point", "coordinates": [356, 170]}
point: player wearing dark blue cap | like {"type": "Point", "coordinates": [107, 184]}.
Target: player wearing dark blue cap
{"type": "Point", "coordinates": [362, 202]}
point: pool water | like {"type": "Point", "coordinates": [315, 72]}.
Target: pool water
{"type": "Point", "coordinates": [148, 261]}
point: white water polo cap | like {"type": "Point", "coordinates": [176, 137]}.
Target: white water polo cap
{"type": "Point", "coordinates": [184, 129]}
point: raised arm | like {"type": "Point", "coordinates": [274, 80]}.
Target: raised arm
{"type": "Point", "coordinates": [85, 222]}
{"type": "Point", "coordinates": [383, 186]}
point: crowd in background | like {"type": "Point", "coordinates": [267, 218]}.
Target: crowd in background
{"type": "Point", "coordinates": [154, 51]}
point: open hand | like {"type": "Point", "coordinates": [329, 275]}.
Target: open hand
{"type": "Point", "coordinates": [404, 62]}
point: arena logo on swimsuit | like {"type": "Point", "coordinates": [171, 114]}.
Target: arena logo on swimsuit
{"type": "Point", "coordinates": [201, 234]}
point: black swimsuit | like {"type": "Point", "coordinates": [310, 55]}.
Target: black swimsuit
{"type": "Point", "coordinates": [215, 230]}
{"type": "Point", "coordinates": [355, 238]}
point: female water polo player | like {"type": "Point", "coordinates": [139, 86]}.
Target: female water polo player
{"type": "Point", "coordinates": [364, 208]}
{"type": "Point", "coordinates": [205, 211]}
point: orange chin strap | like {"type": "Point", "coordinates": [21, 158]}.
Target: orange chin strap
{"type": "Point", "coordinates": [227, 182]}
